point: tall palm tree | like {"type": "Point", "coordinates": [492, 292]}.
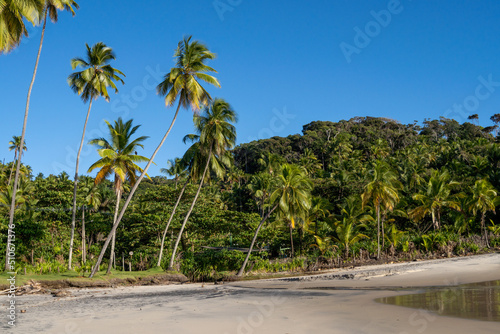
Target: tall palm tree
{"type": "Point", "coordinates": [90, 83]}
{"type": "Point", "coordinates": [182, 84]}
{"type": "Point", "coordinates": [484, 199]}
{"type": "Point", "coordinates": [291, 194]}
{"type": "Point", "coordinates": [217, 135]}
{"type": "Point", "coordinates": [118, 158]}
{"type": "Point", "coordinates": [30, 10]}
{"type": "Point", "coordinates": [382, 191]}
{"type": "Point", "coordinates": [435, 197]}
{"type": "Point", "coordinates": [12, 16]}
{"type": "Point", "coordinates": [15, 144]}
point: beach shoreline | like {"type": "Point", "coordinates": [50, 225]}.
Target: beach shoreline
{"type": "Point", "coordinates": [337, 301]}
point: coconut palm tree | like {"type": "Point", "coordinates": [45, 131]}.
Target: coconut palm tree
{"type": "Point", "coordinates": [181, 83]}
{"type": "Point", "coordinates": [291, 195]}
{"type": "Point", "coordinates": [484, 199]}
{"type": "Point", "coordinates": [348, 233]}
{"type": "Point", "coordinates": [435, 197]}
{"type": "Point", "coordinates": [175, 169]}
{"type": "Point", "coordinates": [30, 10]}
{"type": "Point", "coordinates": [12, 16]}
{"type": "Point", "coordinates": [118, 157]}
{"type": "Point", "coordinates": [15, 144]}
{"type": "Point", "coordinates": [382, 191]}
{"type": "Point", "coordinates": [92, 199]}
{"type": "Point", "coordinates": [90, 83]}
{"type": "Point", "coordinates": [217, 135]}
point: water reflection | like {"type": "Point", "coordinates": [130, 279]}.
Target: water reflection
{"type": "Point", "coordinates": [479, 301]}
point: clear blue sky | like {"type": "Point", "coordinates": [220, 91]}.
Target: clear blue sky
{"type": "Point", "coordinates": [282, 64]}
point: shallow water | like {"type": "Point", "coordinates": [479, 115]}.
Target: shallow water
{"type": "Point", "coordinates": [480, 301]}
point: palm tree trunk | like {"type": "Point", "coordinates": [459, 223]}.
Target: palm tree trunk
{"type": "Point", "coordinates": [84, 250]}
{"type": "Point", "coordinates": [291, 240]}
{"type": "Point", "coordinates": [18, 165]}
{"type": "Point", "coordinates": [75, 186]}
{"type": "Point", "coordinates": [483, 227]}
{"type": "Point", "coordinates": [112, 253]}
{"type": "Point", "coordinates": [171, 264]}
{"type": "Point", "coordinates": [383, 231]}
{"type": "Point", "coordinates": [243, 266]}
{"type": "Point", "coordinates": [129, 198]}
{"type": "Point", "coordinates": [378, 231]}
{"type": "Point", "coordinates": [170, 220]}
{"type": "Point", "coordinates": [12, 167]}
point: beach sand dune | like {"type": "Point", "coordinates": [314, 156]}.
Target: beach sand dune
{"type": "Point", "coordinates": [340, 301]}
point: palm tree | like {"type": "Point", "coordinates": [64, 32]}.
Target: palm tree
{"type": "Point", "coordinates": [216, 137]}
{"type": "Point", "coordinates": [12, 15]}
{"type": "Point", "coordinates": [291, 194]}
{"type": "Point", "coordinates": [15, 144]}
{"type": "Point", "coordinates": [32, 9]}
{"type": "Point", "coordinates": [175, 169]}
{"type": "Point", "coordinates": [92, 199]}
{"type": "Point", "coordinates": [181, 83]}
{"type": "Point", "coordinates": [436, 196]}
{"type": "Point", "coordinates": [484, 199]}
{"type": "Point", "coordinates": [348, 233]}
{"type": "Point", "coordinates": [118, 157]}
{"type": "Point", "coordinates": [91, 83]}
{"type": "Point", "coordinates": [382, 191]}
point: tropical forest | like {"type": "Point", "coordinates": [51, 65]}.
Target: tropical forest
{"type": "Point", "coordinates": [364, 190]}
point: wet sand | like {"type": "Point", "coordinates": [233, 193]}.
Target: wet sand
{"type": "Point", "coordinates": [340, 301]}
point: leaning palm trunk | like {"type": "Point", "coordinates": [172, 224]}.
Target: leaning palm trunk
{"type": "Point", "coordinates": [73, 217]}
{"type": "Point", "coordinates": [21, 145]}
{"type": "Point", "coordinates": [243, 266]}
{"type": "Point", "coordinates": [129, 198]}
{"type": "Point", "coordinates": [112, 256]}
{"type": "Point", "coordinates": [84, 250]}
{"type": "Point", "coordinates": [170, 220]}
{"type": "Point", "coordinates": [171, 264]}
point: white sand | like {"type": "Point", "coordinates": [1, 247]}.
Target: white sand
{"type": "Point", "coordinates": [302, 305]}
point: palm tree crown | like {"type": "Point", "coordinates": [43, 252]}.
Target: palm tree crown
{"type": "Point", "coordinates": [118, 154]}
{"type": "Point", "coordinates": [182, 81]}
{"type": "Point", "coordinates": [12, 15]}
{"type": "Point", "coordinates": [93, 81]}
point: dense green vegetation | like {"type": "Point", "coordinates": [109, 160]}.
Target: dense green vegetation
{"type": "Point", "coordinates": [349, 191]}
{"type": "Point", "coordinates": [435, 190]}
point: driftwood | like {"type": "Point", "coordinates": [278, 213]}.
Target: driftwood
{"type": "Point", "coordinates": [30, 288]}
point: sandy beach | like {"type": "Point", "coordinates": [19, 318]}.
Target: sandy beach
{"type": "Point", "coordinates": [337, 301]}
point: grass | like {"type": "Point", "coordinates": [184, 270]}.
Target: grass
{"type": "Point", "coordinates": [74, 276]}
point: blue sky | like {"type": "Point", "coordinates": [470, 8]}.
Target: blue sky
{"type": "Point", "coordinates": [282, 64]}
